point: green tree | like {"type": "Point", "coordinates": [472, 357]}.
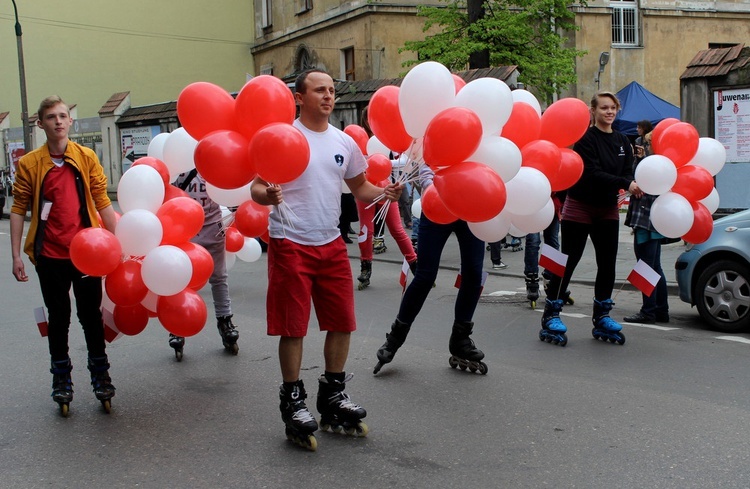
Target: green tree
{"type": "Point", "coordinates": [525, 33]}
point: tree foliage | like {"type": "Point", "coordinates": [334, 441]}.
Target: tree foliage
{"type": "Point", "coordinates": [525, 33]}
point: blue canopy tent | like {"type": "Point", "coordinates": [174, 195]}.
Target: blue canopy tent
{"type": "Point", "coordinates": [639, 104]}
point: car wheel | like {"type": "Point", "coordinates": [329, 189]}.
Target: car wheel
{"type": "Point", "coordinates": [722, 295]}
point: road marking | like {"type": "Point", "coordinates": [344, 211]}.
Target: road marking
{"type": "Point", "coordinates": [738, 339]}
{"type": "Point", "coordinates": [576, 315]}
{"type": "Point", "coordinates": [502, 293]}
{"type": "Point", "coordinates": [651, 326]}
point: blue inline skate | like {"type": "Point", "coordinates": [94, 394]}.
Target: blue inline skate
{"type": "Point", "coordinates": [553, 330]}
{"type": "Point", "coordinates": [606, 328]}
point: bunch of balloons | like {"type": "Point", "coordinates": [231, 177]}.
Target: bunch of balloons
{"type": "Point", "coordinates": [681, 172]}
{"type": "Point", "coordinates": [496, 158]}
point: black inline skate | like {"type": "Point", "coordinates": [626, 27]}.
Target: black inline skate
{"type": "Point", "coordinates": [229, 334]}
{"type": "Point", "coordinates": [62, 385]}
{"type": "Point", "coordinates": [532, 288]}
{"type": "Point", "coordinates": [393, 342]}
{"type": "Point", "coordinates": [300, 423]}
{"type": "Point", "coordinates": [178, 343]}
{"type": "Point", "coordinates": [364, 276]}
{"type": "Point", "coordinates": [337, 411]}
{"type": "Point", "coordinates": [464, 354]}
{"type": "Point", "coordinates": [101, 382]}
{"type": "Point", "coordinates": [606, 328]}
{"type": "Point", "coordinates": [378, 246]}
{"type": "Point", "coordinates": [553, 329]}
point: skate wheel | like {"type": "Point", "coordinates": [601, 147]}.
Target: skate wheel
{"type": "Point", "coordinates": [453, 362]}
{"type": "Point", "coordinates": [362, 429]}
{"type": "Point", "coordinates": [178, 355]}
{"type": "Point", "coordinates": [482, 368]}
{"type": "Point", "coordinates": [312, 443]}
{"type": "Point", "coordinates": [64, 410]}
{"type": "Point", "coordinates": [472, 368]}
{"type": "Point", "coordinates": [533, 304]}
{"type": "Point", "coordinates": [621, 339]}
{"type": "Point", "coordinates": [107, 405]}
{"type": "Point", "coordinates": [234, 349]}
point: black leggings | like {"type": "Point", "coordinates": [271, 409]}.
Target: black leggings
{"type": "Point", "coordinates": [604, 235]}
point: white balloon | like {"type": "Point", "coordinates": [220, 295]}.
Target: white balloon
{"type": "Point", "coordinates": [224, 212]}
{"type": "Point", "coordinates": [711, 155]}
{"type": "Point", "coordinates": [374, 146]}
{"type": "Point", "coordinates": [515, 232]}
{"type": "Point", "coordinates": [166, 270]}
{"type": "Point", "coordinates": [230, 259]}
{"type": "Point", "coordinates": [141, 187]}
{"type": "Point", "coordinates": [491, 230]}
{"type": "Point", "coordinates": [491, 101]}
{"type": "Point", "coordinates": [229, 197]}
{"type": "Point", "coordinates": [712, 201]}
{"type": "Point", "coordinates": [416, 208]}
{"type": "Point", "coordinates": [500, 154]}
{"type": "Point", "coordinates": [656, 174]}
{"type": "Point", "coordinates": [414, 152]}
{"type": "Point", "coordinates": [156, 146]}
{"type": "Point", "coordinates": [425, 91]}
{"type": "Point", "coordinates": [139, 231]}
{"type": "Point", "coordinates": [527, 97]}
{"type": "Point", "coordinates": [149, 302]}
{"type": "Point", "coordinates": [527, 192]}
{"type": "Point", "coordinates": [537, 222]}
{"type": "Point", "coordinates": [178, 152]}
{"type": "Point", "coordinates": [672, 215]}
{"type": "Point", "coordinates": [251, 251]}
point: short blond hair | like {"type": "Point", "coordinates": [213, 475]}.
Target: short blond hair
{"type": "Point", "coordinates": [602, 93]}
{"type": "Point", "coordinates": [50, 102]}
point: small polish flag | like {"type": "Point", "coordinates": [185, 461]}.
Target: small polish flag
{"type": "Point", "coordinates": [41, 320]}
{"type": "Point", "coordinates": [362, 237]}
{"type": "Point", "coordinates": [111, 333]}
{"type": "Point", "coordinates": [458, 280]}
{"type": "Point", "coordinates": [404, 274]}
{"type": "Point", "coordinates": [644, 278]}
{"type": "Point", "coordinates": [553, 260]}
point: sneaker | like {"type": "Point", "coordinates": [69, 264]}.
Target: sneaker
{"type": "Point", "coordinates": [498, 266]}
{"type": "Point", "coordinates": [639, 318]}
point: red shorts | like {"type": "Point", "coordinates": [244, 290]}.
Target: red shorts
{"type": "Point", "coordinates": [297, 273]}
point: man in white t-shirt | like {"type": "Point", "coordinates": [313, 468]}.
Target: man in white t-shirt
{"type": "Point", "coordinates": [307, 259]}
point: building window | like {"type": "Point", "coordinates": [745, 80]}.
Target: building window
{"type": "Point", "coordinates": [266, 69]}
{"type": "Point", "coordinates": [266, 7]}
{"type": "Point", "coordinates": [348, 63]}
{"type": "Point", "coordinates": [625, 30]}
{"type": "Point", "coordinates": [304, 6]}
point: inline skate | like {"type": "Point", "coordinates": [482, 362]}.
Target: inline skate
{"type": "Point", "coordinates": [62, 385]}
{"type": "Point", "coordinates": [365, 274]}
{"type": "Point", "coordinates": [378, 246]}
{"type": "Point", "coordinates": [177, 342]}
{"type": "Point", "coordinates": [101, 382]}
{"type": "Point", "coordinates": [229, 334]}
{"type": "Point", "coordinates": [606, 328]}
{"type": "Point", "coordinates": [565, 296]}
{"type": "Point", "coordinates": [337, 411]}
{"type": "Point", "coordinates": [300, 423]}
{"type": "Point", "coordinates": [393, 342]}
{"type": "Point", "coordinates": [515, 244]}
{"type": "Point", "coordinates": [532, 288]}
{"type": "Point", "coordinates": [464, 354]}
{"type": "Point", "coordinates": [553, 329]}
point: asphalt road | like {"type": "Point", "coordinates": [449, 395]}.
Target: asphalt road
{"type": "Point", "coordinates": [669, 409]}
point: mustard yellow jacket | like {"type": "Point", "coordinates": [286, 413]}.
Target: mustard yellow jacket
{"type": "Point", "coordinates": [27, 189]}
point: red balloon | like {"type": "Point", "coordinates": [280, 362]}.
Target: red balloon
{"type": "Point", "coordinates": [251, 219]}
{"type": "Point", "coordinates": [434, 208]}
{"type": "Point", "coordinates": [384, 117]}
{"type": "Point", "coordinates": [234, 239]}
{"type": "Point", "coordinates": [523, 126]}
{"type": "Point", "coordinates": [479, 181]}
{"type": "Point", "coordinates": [693, 182]}
{"type": "Point", "coordinates": [458, 82]}
{"type": "Point", "coordinates": [221, 158]}
{"type": "Point", "coordinates": [183, 314]}
{"type": "Point", "coordinates": [172, 192]}
{"type": "Point", "coordinates": [130, 320]}
{"type": "Point", "coordinates": [565, 122]}
{"type": "Point", "coordinates": [359, 135]}
{"type": "Point", "coordinates": [263, 100]}
{"type": "Point", "coordinates": [157, 165]}
{"type": "Point", "coordinates": [202, 261]}
{"type": "Point", "coordinates": [379, 168]}
{"type": "Point", "coordinates": [451, 136]}
{"type": "Point", "coordinates": [95, 251]}
{"type": "Point", "coordinates": [571, 169]}
{"type": "Point", "coordinates": [124, 284]}
{"type": "Point", "coordinates": [265, 237]}
{"type": "Point", "coordinates": [203, 107]}
{"type": "Point", "coordinates": [659, 130]}
{"type": "Point", "coordinates": [679, 143]}
{"type": "Point", "coordinates": [280, 152]}
{"type": "Point", "coordinates": [703, 225]}
{"type": "Point", "coordinates": [181, 219]}
{"type": "Point", "coordinates": [542, 155]}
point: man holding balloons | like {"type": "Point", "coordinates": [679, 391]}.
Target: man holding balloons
{"type": "Point", "coordinates": [307, 259]}
{"type": "Point", "coordinates": [64, 185]}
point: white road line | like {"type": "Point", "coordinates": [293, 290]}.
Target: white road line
{"type": "Point", "coordinates": [567, 314]}
{"type": "Point", "coordinates": [738, 339]}
{"type": "Point", "coordinates": [651, 326]}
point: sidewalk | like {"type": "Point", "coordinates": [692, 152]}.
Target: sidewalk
{"type": "Point", "coordinates": [585, 272]}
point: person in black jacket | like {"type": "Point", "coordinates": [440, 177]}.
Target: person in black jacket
{"type": "Point", "coordinates": [591, 210]}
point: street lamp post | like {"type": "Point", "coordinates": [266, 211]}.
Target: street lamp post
{"type": "Point", "coordinates": [22, 77]}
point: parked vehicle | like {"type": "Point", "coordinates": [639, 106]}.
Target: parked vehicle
{"type": "Point", "coordinates": [714, 276]}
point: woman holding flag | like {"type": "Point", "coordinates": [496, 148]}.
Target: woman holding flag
{"type": "Point", "coordinates": [591, 210]}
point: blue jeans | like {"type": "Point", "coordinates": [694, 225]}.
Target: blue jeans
{"type": "Point", "coordinates": [432, 239]}
{"type": "Point", "coordinates": [533, 243]}
{"type": "Point", "coordinates": [650, 252]}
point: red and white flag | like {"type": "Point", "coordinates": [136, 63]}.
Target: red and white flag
{"type": "Point", "coordinates": [553, 260]}
{"type": "Point", "coordinates": [457, 284]}
{"type": "Point", "coordinates": [404, 274]}
{"type": "Point", "coordinates": [644, 278]}
{"type": "Point", "coordinates": [41, 320]}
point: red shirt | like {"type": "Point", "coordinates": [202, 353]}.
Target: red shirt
{"type": "Point", "coordinates": [64, 219]}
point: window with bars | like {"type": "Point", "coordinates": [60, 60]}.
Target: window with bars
{"type": "Point", "coordinates": [625, 31]}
